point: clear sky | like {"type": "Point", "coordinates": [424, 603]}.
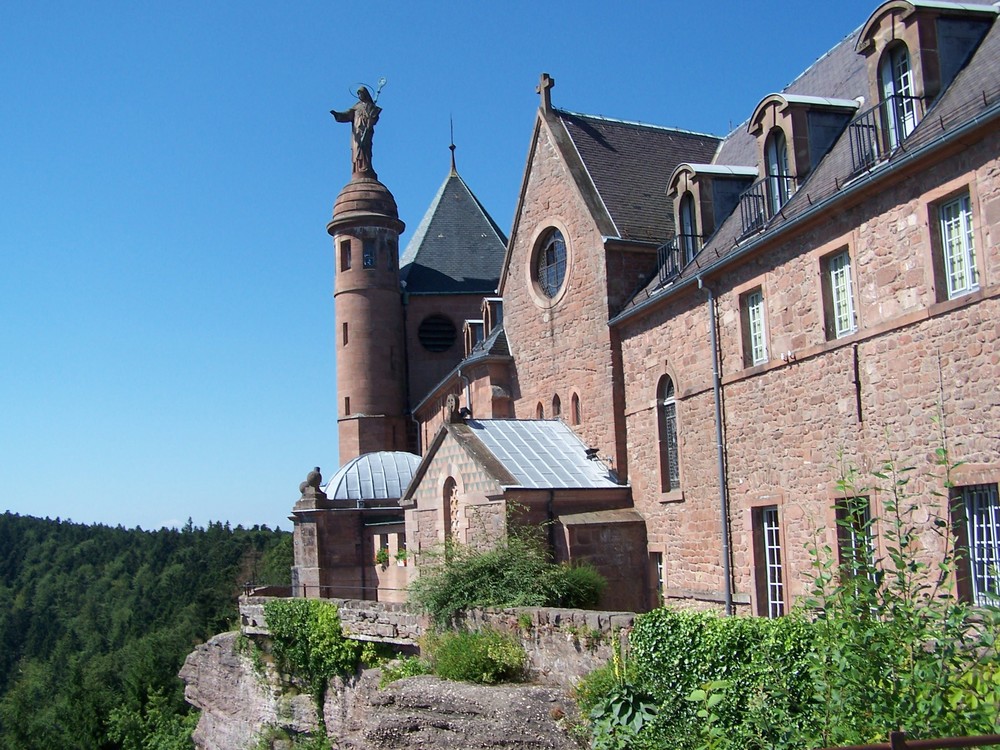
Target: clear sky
{"type": "Point", "coordinates": [167, 171]}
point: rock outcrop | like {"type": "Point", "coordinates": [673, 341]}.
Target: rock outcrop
{"type": "Point", "coordinates": [239, 706]}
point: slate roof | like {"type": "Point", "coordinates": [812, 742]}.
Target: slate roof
{"type": "Point", "coordinates": [541, 454]}
{"type": "Point", "coordinates": [457, 247]}
{"type": "Point", "coordinates": [628, 164]}
{"type": "Point", "coordinates": [839, 74]}
{"type": "Point", "coordinates": [842, 74]}
{"type": "Point", "coordinates": [383, 475]}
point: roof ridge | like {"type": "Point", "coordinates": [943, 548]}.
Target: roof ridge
{"type": "Point", "coordinates": [636, 123]}
{"type": "Point", "coordinates": [822, 57]}
{"type": "Point", "coordinates": [486, 214]}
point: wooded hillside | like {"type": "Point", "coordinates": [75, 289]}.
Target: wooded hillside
{"type": "Point", "coordinates": [96, 621]}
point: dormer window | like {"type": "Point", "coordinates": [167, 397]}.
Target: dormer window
{"type": "Point", "coordinates": [900, 105]}
{"type": "Point", "coordinates": [779, 187]}
{"type": "Point", "coordinates": [492, 311]}
{"type": "Point", "coordinates": [474, 333]}
{"type": "Point", "coordinates": [914, 50]}
{"type": "Point", "coordinates": [794, 132]}
{"type": "Point", "coordinates": [703, 196]}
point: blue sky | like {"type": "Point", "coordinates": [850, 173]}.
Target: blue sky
{"type": "Point", "coordinates": [168, 169]}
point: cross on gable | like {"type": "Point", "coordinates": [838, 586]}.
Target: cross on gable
{"type": "Point", "coordinates": [545, 84]}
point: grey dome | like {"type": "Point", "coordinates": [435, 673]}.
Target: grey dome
{"type": "Point", "coordinates": [383, 475]}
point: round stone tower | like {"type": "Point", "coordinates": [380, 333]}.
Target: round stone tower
{"type": "Point", "coordinates": [371, 373]}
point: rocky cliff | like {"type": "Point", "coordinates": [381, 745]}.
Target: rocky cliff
{"type": "Point", "coordinates": [240, 706]}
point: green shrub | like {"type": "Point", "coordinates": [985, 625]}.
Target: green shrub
{"type": "Point", "coordinates": [307, 641]}
{"type": "Point", "coordinates": [880, 645]}
{"type": "Point", "coordinates": [894, 648]}
{"type": "Point", "coordinates": [577, 586]}
{"type": "Point", "coordinates": [410, 666]}
{"type": "Point", "coordinates": [484, 656]}
{"type": "Point", "coordinates": [764, 662]}
{"type": "Point", "coordinates": [516, 572]}
{"type": "Point", "coordinates": [594, 687]}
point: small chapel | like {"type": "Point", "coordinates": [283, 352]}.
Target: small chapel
{"type": "Point", "coordinates": [681, 336]}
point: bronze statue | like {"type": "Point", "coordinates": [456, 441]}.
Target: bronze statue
{"type": "Point", "coordinates": [362, 117]}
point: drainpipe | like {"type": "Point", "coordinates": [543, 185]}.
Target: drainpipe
{"type": "Point", "coordinates": [550, 512]}
{"type": "Point", "coordinates": [727, 571]}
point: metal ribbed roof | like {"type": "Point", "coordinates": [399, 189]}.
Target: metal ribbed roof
{"type": "Point", "coordinates": [373, 476]}
{"type": "Point", "coordinates": [542, 454]}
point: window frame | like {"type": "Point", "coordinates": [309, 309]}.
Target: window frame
{"type": "Point", "coordinates": [551, 263]}
{"type": "Point", "coordinates": [896, 87]}
{"type": "Point", "coordinates": [345, 255]}
{"type": "Point", "coordinates": [667, 435]}
{"type": "Point", "coordinates": [776, 169]}
{"type": "Point", "coordinates": [687, 223]}
{"type": "Point", "coordinates": [368, 253]}
{"type": "Point", "coordinates": [838, 276]}
{"type": "Point", "coordinates": [753, 315]}
{"type": "Point", "coordinates": [964, 238]}
{"type": "Point", "coordinates": [978, 534]}
{"type": "Point", "coordinates": [769, 565]}
{"type": "Point", "coordinates": [855, 535]}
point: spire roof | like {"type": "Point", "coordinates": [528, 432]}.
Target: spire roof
{"type": "Point", "coordinates": [457, 248]}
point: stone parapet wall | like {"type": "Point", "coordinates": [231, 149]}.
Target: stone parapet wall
{"type": "Point", "coordinates": [562, 644]}
{"type": "Point", "coordinates": [384, 622]}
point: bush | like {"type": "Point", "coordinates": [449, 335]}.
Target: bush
{"type": "Point", "coordinates": [764, 662]}
{"type": "Point", "coordinates": [894, 647]}
{"type": "Point", "coordinates": [594, 687]}
{"type": "Point", "coordinates": [577, 586]}
{"type": "Point", "coordinates": [484, 656]}
{"type": "Point", "coordinates": [307, 641]}
{"type": "Point", "coordinates": [410, 666]}
{"type": "Point", "coordinates": [516, 572]}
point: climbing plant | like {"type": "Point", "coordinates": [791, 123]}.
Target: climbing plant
{"type": "Point", "coordinates": [308, 642]}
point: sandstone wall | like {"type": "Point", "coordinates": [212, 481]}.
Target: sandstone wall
{"type": "Point", "coordinates": [926, 371]}
{"type": "Point", "coordinates": [562, 345]}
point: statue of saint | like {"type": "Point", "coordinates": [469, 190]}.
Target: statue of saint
{"type": "Point", "coordinates": [362, 117]}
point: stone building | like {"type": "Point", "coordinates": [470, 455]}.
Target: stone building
{"type": "Point", "coordinates": [721, 322]}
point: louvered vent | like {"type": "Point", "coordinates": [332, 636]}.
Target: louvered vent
{"type": "Point", "coordinates": [436, 333]}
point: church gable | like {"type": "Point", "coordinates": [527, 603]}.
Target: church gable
{"type": "Point", "coordinates": [555, 294]}
{"type": "Point", "coordinates": [453, 497]}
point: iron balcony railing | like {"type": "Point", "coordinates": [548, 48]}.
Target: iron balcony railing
{"type": "Point", "coordinates": [764, 199]}
{"type": "Point", "coordinates": [676, 253]}
{"type": "Point", "coordinates": [879, 131]}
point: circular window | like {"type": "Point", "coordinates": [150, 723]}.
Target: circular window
{"type": "Point", "coordinates": [550, 266]}
{"type": "Point", "coordinates": [436, 333]}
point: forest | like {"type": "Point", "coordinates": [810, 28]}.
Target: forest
{"type": "Point", "coordinates": [95, 623]}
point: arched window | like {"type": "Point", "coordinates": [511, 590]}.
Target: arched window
{"type": "Point", "coordinates": [688, 238]}
{"type": "Point", "coordinates": [556, 406]}
{"type": "Point", "coordinates": [539, 411]}
{"type": "Point", "coordinates": [778, 179]}
{"type": "Point", "coordinates": [896, 85]}
{"type": "Point", "coordinates": [666, 415]}
{"type": "Point", "coordinates": [574, 410]}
